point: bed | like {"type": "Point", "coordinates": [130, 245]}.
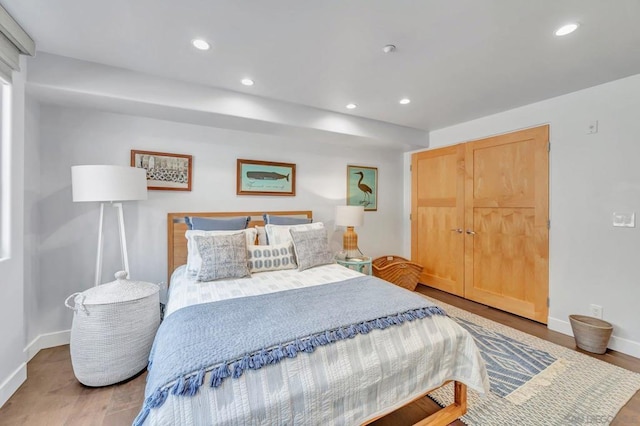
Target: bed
{"type": "Point", "coordinates": [351, 379]}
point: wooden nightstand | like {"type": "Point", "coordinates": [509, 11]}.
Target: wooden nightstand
{"type": "Point", "coordinates": [362, 264]}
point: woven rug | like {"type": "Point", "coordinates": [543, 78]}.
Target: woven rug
{"type": "Point", "coordinates": [535, 382]}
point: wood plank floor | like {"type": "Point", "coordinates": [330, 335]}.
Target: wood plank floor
{"type": "Point", "coordinates": [52, 396]}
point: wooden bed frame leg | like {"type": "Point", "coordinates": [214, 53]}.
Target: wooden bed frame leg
{"type": "Point", "coordinates": [445, 415]}
{"type": "Point", "coordinates": [451, 412]}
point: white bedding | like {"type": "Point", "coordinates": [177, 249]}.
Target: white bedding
{"type": "Point", "coordinates": [344, 383]}
{"type": "Point", "coordinates": [185, 291]}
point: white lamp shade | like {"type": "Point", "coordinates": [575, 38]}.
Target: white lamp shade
{"type": "Point", "coordinates": [349, 215]}
{"type": "Point", "coordinates": [108, 183]}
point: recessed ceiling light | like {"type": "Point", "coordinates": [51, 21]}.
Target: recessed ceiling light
{"type": "Point", "coordinates": [200, 44]}
{"type": "Point", "coordinates": [405, 101]}
{"type": "Point", "coordinates": [389, 48]}
{"type": "Point", "coordinates": [351, 106]}
{"type": "Point", "coordinates": [247, 82]}
{"type": "Point", "coordinates": [567, 29]}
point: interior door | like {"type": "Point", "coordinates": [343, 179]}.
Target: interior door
{"type": "Point", "coordinates": [437, 235]}
{"type": "Point", "coordinates": [506, 222]}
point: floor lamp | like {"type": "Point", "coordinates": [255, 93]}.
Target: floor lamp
{"type": "Point", "coordinates": [112, 184]}
{"type": "Point", "coordinates": [350, 216]}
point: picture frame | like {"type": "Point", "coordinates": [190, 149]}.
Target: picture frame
{"type": "Point", "coordinates": [165, 171]}
{"type": "Point", "coordinates": [265, 178]}
{"type": "Point", "coordinates": [362, 187]}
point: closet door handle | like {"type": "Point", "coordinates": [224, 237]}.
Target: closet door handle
{"type": "Point", "coordinates": [470, 232]}
{"type": "Point", "coordinates": [458, 230]}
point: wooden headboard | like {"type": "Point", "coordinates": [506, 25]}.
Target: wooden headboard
{"type": "Point", "coordinates": [176, 227]}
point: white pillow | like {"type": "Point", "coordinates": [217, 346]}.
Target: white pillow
{"type": "Point", "coordinates": [194, 261]}
{"type": "Point", "coordinates": [262, 236]}
{"type": "Point", "coordinates": [279, 234]}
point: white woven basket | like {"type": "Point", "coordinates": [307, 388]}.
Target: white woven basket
{"type": "Point", "coordinates": [113, 329]}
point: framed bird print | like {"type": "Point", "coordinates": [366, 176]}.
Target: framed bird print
{"type": "Point", "coordinates": [362, 187]}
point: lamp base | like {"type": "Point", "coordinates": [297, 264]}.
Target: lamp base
{"type": "Point", "coordinates": [354, 255]}
{"type": "Point", "coordinates": [350, 244]}
{"type": "Point", "coordinates": [123, 242]}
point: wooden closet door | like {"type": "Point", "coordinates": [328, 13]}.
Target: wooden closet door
{"type": "Point", "coordinates": [506, 216]}
{"type": "Point", "coordinates": [437, 213]}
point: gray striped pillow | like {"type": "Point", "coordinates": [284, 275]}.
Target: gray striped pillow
{"type": "Point", "coordinates": [311, 248]}
{"type": "Point", "coordinates": [223, 256]}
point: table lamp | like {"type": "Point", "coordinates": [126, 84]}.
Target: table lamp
{"type": "Point", "coordinates": [350, 216]}
{"type": "Point", "coordinates": [113, 184]}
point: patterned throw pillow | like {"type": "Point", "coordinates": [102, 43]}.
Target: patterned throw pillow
{"type": "Point", "coordinates": [279, 234]}
{"type": "Point", "coordinates": [223, 256]}
{"type": "Point", "coordinates": [271, 258]}
{"type": "Point", "coordinates": [193, 257]}
{"type": "Point", "coordinates": [311, 248]}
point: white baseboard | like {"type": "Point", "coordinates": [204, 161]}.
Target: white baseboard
{"type": "Point", "coordinates": [12, 383]}
{"type": "Point", "coordinates": [619, 344]}
{"type": "Point", "coordinates": [47, 340]}
{"type": "Point", "coordinates": [560, 326]}
{"type": "Point", "coordinates": [43, 341]}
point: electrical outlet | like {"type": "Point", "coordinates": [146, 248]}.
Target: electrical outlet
{"type": "Point", "coordinates": [593, 127]}
{"type": "Point", "coordinates": [625, 219]}
{"type": "Point", "coordinates": [596, 311]}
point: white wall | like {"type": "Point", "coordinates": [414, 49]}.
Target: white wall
{"type": "Point", "coordinates": [591, 176]}
{"type": "Point", "coordinates": [12, 327]}
{"type": "Point", "coordinates": [32, 298]}
{"type": "Point", "coordinates": [68, 231]}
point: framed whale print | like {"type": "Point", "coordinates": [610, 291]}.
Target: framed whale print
{"type": "Point", "coordinates": [265, 178]}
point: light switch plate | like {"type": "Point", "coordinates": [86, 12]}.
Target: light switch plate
{"type": "Point", "coordinates": [624, 219]}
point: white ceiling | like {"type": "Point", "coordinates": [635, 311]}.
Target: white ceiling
{"type": "Point", "coordinates": [456, 59]}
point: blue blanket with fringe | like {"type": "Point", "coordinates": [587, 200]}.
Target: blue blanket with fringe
{"type": "Point", "coordinates": [229, 337]}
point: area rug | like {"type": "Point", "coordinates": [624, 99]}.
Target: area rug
{"type": "Point", "coordinates": [535, 382]}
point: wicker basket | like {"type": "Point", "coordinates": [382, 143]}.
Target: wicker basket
{"type": "Point", "coordinates": [591, 334]}
{"type": "Point", "coordinates": [113, 328]}
{"type": "Point", "coordinates": [398, 271]}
